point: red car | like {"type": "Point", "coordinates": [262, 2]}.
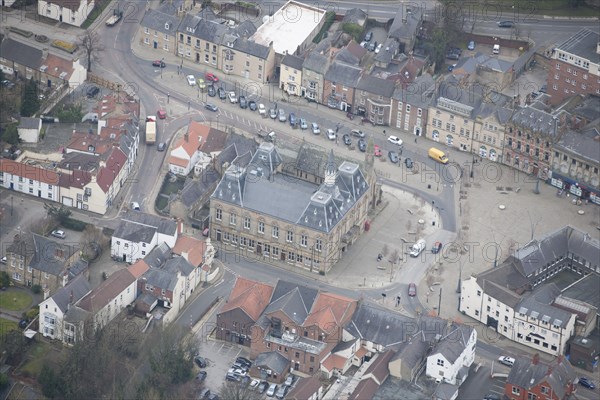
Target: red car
{"type": "Point", "coordinates": [412, 290]}
{"type": "Point", "coordinates": [162, 114]}
{"type": "Point", "coordinates": [211, 77]}
{"type": "Point", "coordinates": [159, 63]}
{"type": "Point", "coordinates": [378, 152]}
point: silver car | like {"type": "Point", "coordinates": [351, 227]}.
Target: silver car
{"type": "Point", "coordinates": [282, 116]}
{"type": "Point", "coordinates": [273, 113]}
{"type": "Point", "coordinates": [315, 128]}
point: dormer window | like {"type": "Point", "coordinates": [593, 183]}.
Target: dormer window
{"type": "Point", "coordinates": [229, 44]}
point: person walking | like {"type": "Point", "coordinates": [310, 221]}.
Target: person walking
{"type": "Point", "coordinates": [415, 140]}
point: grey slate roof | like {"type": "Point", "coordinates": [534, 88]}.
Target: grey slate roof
{"type": "Point", "coordinates": [378, 86]}
{"type": "Point", "coordinates": [585, 144]}
{"type": "Point", "coordinates": [156, 20]}
{"type": "Point", "coordinates": [345, 56]}
{"type": "Point", "coordinates": [355, 16]}
{"type": "Point", "coordinates": [51, 256]}
{"type": "Point", "coordinates": [274, 361]}
{"type": "Point", "coordinates": [557, 374]}
{"type": "Point", "coordinates": [445, 391]}
{"type": "Point", "coordinates": [75, 315]}
{"type": "Point", "coordinates": [77, 268]}
{"type": "Point", "coordinates": [78, 287]}
{"type": "Point", "coordinates": [405, 31]}
{"type": "Point", "coordinates": [194, 189]}
{"type": "Point", "coordinates": [293, 300]}
{"type": "Point", "coordinates": [165, 226]}
{"type": "Point", "coordinates": [211, 31]}
{"type": "Point", "coordinates": [412, 352]}
{"type": "Point", "coordinates": [586, 289]}
{"type": "Point", "coordinates": [21, 53]}
{"type": "Point", "coordinates": [501, 283]}
{"type": "Point", "coordinates": [158, 256]}
{"type": "Point", "coordinates": [379, 325]}
{"type": "Point", "coordinates": [536, 120]}
{"type": "Point", "coordinates": [249, 47]}
{"type": "Point", "coordinates": [454, 342]}
{"type": "Point", "coordinates": [537, 305]}
{"type": "Point", "coordinates": [388, 51]}
{"type": "Point", "coordinates": [316, 62]}
{"type": "Point", "coordinates": [178, 264]}
{"type": "Point", "coordinates": [420, 93]}
{"type": "Point", "coordinates": [470, 64]}
{"type": "Point", "coordinates": [343, 73]}
{"type": "Point", "coordinates": [292, 61]}
{"type": "Point", "coordinates": [582, 44]}
{"type": "Point", "coordinates": [160, 278]}
{"type": "Point", "coordinates": [245, 28]}
{"type": "Point", "coordinates": [29, 123]}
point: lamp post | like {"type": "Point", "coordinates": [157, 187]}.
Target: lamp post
{"type": "Point", "coordinates": [536, 189]}
{"type": "Point", "coordinates": [11, 205]}
{"type": "Point", "coordinates": [162, 60]}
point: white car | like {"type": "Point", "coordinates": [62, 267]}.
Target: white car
{"type": "Point", "coordinates": [315, 128]}
{"type": "Point", "coordinates": [395, 140]}
{"type": "Point", "coordinates": [232, 97]}
{"type": "Point", "coordinates": [59, 234]}
{"type": "Point", "coordinates": [191, 80]}
{"type": "Point", "coordinates": [261, 109]}
{"type": "Point", "coordinates": [331, 135]}
{"type": "Point", "coordinates": [254, 384]}
{"type": "Point", "coordinates": [378, 49]}
{"type": "Point", "coordinates": [509, 361]}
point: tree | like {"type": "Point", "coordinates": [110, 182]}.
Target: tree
{"type": "Point", "coordinates": [61, 213]}
{"type": "Point", "coordinates": [353, 30]}
{"type": "Point", "coordinates": [91, 42]}
{"type": "Point", "coordinates": [4, 279]}
{"type": "Point", "coordinates": [31, 103]}
{"type": "Point", "coordinates": [385, 250]}
{"type": "Point", "coordinates": [51, 382]}
{"type": "Point", "coordinates": [235, 391]}
{"type": "Point", "coordinates": [11, 134]}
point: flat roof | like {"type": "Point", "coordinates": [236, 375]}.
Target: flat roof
{"type": "Point", "coordinates": [288, 27]}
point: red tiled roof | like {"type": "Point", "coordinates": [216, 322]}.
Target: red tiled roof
{"type": "Point", "coordinates": [138, 268]}
{"type": "Point", "coordinates": [193, 247]}
{"type": "Point", "coordinates": [76, 179]}
{"type": "Point", "coordinates": [356, 49]}
{"type": "Point", "coordinates": [114, 163]}
{"type": "Point", "coordinates": [334, 361]}
{"type": "Point", "coordinates": [215, 141]}
{"type": "Point", "coordinates": [330, 311]}
{"type": "Point", "coordinates": [196, 136]}
{"type": "Point", "coordinates": [29, 171]}
{"type": "Point", "coordinates": [365, 389]}
{"type": "Point", "coordinates": [180, 162]}
{"type": "Point", "coordinates": [379, 367]}
{"type": "Point", "coordinates": [57, 65]}
{"type": "Point", "coordinates": [361, 352]}
{"type": "Point", "coordinates": [305, 389]}
{"type": "Point", "coordinates": [251, 296]}
{"type": "Point", "coordinates": [83, 141]}
{"type": "Point", "coordinates": [108, 290]}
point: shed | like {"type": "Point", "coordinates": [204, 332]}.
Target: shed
{"type": "Point", "coordinates": [29, 129]}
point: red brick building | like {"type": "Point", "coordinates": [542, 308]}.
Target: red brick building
{"type": "Point", "coordinates": [532, 379]}
{"type": "Point", "coordinates": [575, 67]}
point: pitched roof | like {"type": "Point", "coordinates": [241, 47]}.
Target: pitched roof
{"type": "Point", "coordinates": [379, 325]}
{"type": "Point", "coordinates": [21, 53]}
{"type": "Point", "coordinates": [536, 120]}
{"type": "Point", "coordinates": [215, 141]}
{"type": "Point", "coordinates": [138, 268]}
{"type": "Point", "coordinates": [343, 73]}
{"type": "Point", "coordinates": [51, 256]}
{"type": "Point", "coordinates": [115, 162]}
{"type": "Point", "coordinates": [528, 374]}
{"type": "Point", "coordinates": [330, 311]}
{"type": "Point", "coordinates": [412, 352]}
{"type": "Point", "coordinates": [365, 389]}
{"type": "Point", "coordinates": [379, 367]}
{"type": "Point", "coordinates": [30, 123]}
{"type": "Point", "coordinates": [583, 44]}
{"type": "Point", "coordinates": [194, 189]}
{"type": "Point", "coordinates": [292, 61]}
{"type": "Point", "coordinates": [455, 341]}
{"type": "Point", "coordinates": [292, 299]}
{"type": "Point", "coordinates": [583, 144]}
{"type": "Point", "coordinates": [108, 290]}
{"type": "Point", "coordinates": [274, 361]}
{"type": "Point", "coordinates": [160, 21]}
{"type": "Point", "coordinates": [138, 221]}
{"type": "Point", "coordinates": [250, 296]}
{"type": "Point", "coordinates": [406, 22]}
{"type": "Point", "coordinates": [333, 361]}
{"type": "Point", "coordinates": [29, 171]}
{"type": "Point", "coordinates": [77, 288]}
{"type": "Point", "coordinates": [191, 249]}
{"type": "Point", "coordinates": [194, 138]}
{"type": "Point", "coordinates": [378, 86]}
{"type": "Point", "coordinates": [355, 16]}
{"type": "Point", "coordinates": [305, 388]}
{"type": "Point", "coordinates": [316, 62]}
{"type": "Point", "coordinates": [58, 67]}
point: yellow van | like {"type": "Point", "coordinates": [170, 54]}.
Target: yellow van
{"type": "Point", "coordinates": [438, 155]}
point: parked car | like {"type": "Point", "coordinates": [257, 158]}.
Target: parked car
{"type": "Point", "coordinates": [222, 94]}
{"type": "Point", "coordinates": [492, 396]}
{"type": "Point", "coordinates": [204, 393]}
{"type": "Point", "coordinates": [378, 48]}
{"type": "Point", "coordinates": [303, 124]}
{"type": "Point", "coordinates": [243, 102]}
{"type": "Point", "coordinates": [412, 289]}
{"type": "Point", "coordinates": [135, 206]}
{"type": "Point", "coordinates": [243, 360]}
{"type": "Point", "coordinates": [3, 260]}
{"type": "Point", "coordinates": [162, 114]}
{"type": "Point", "coordinates": [272, 390]}
{"type": "Point", "coordinates": [9, 85]}
{"type": "Point", "coordinates": [331, 135]}
{"type": "Point", "coordinates": [377, 151]}
{"type": "Point", "coordinates": [59, 234]}
{"type": "Point", "coordinates": [201, 376]}
{"type": "Point", "coordinates": [408, 162]}
{"type": "Point", "coordinates": [213, 396]}
{"type": "Point", "coordinates": [261, 109]}
{"type": "Point", "coordinates": [315, 128]}
{"type": "Point", "coordinates": [437, 246]}
{"type": "Point", "coordinates": [209, 76]}
{"type": "Point", "coordinates": [393, 157]}
{"type": "Point", "coordinates": [368, 36]}
{"type": "Point", "coordinates": [372, 46]}
{"type": "Point", "coordinates": [509, 361]}
{"type": "Point", "coordinates": [252, 105]}
{"type": "Point", "coordinates": [506, 24]}
{"type": "Point", "coordinates": [347, 140]}
{"type": "Point", "coordinates": [263, 386]}
{"type": "Point", "coordinates": [452, 56]}
{"type": "Point", "coordinates": [289, 381]}
{"type": "Point", "coordinates": [211, 107]}
{"type": "Point", "coordinates": [358, 133]}
{"type": "Point", "coordinates": [471, 45]}
{"type": "Point", "coordinates": [281, 115]}
{"type": "Point", "coordinates": [92, 91]}
{"type": "Point", "coordinates": [451, 67]}
{"type": "Point", "coordinates": [233, 377]}
{"type": "Point", "coordinates": [362, 145]}
{"type": "Point", "coordinates": [159, 63]}
{"type": "Point", "coordinates": [395, 140]}
{"type": "Point", "coordinates": [23, 323]}
{"type": "Point", "coordinates": [161, 146]}
{"type": "Point", "coordinates": [544, 89]}
{"type": "Point", "coordinates": [201, 84]}
{"type": "Point", "coordinates": [212, 92]}
{"type": "Point", "coordinates": [200, 361]}
{"type": "Point", "coordinates": [587, 383]}
{"type": "Point", "coordinates": [232, 97]}
{"type": "Point", "coordinates": [273, 113]}
{"type": "Point", "coordinates": [191, 80]}
{"type": "Point", "coordinates": [292, 119]}
{"type": "Point", "coordinates": [281, 392]}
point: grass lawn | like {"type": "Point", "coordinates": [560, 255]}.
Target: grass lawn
{"type": "Point", "coordinates": [36, 357]}
{"type": "Point", "coordinates": [7, 325]}
{"type": "Point", "coordinates": [15, 300]}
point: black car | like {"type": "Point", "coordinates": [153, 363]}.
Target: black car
{"type": "Point", "coordinates": [252, 105]}
{"type": "Point", "coordinates": [506, 24]}
{"type": "Point", "coordinates": [409, 163]}
{"type": "Point", "coordinates": [212, 92]}
{"type": "Point", "coordinates": [544, 89]}
{"type": "Point", "coordinates": [201, 376]}
{"type": "Point", "coordinates": [23, 323]}
{"type": "Point", "coordinates": [222, 93]}
{"type": "Point", "coordinates": [8, 84]}
{"type": "Point", "coordinates": [587, 383]}
{"type": "Point", "coordinates": [393, 157]}
{"type": "Point", "coordinates": [233, 377]}
{"type": "Point", "coordinates": [362, 145]}
{"type": "Point", "coordinates": [347, 140]}
{"type": "Point", "coordinates": [243, 360]}
{"type": "Point", "coordinates": [491, 396]}
{"type": "Point", "coordinates": [243, 102]}
{"type": "Point", "coordinates": [452, 56]}
{"type": "Point", "coordinates": [92, 91]}
{"type": "Point", "coordinates": [368, 36]}
{"type": "Point", "coordinates": [262, 387]}
{"type": "Point", "coordinates": [200, 361]}
{"type": "Point", "coordinates": [211, 107]}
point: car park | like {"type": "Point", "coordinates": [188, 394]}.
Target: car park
{"type": "Point", "coordinates": [587, 383]}
{"type": "Point", "coordinates": [159, 63]}
{"type": "Point", "coordinates": [358, 133]}
{"type": "Point", "coordinates": [222, 94]}
{"type": "Point", "coordinates": [200, 361]}
{"type": "Point", "coordinates": [232, 97]}
{"type": "Point", "coordinates": [412, 289]}
{"type": "Point", "coordinates": [377, 151]}
{"type": "Point", "coordinates": [362, 145]}
{"type": "Point", "coordinates": [315, 128]}
{"type": "Point", "coordinates": [331, 135]}
{"type": "Point", "coordinates": [211, 107]}
{"type": "Point", "coordinates": [393, 157]}
{"type": "Point", "coordinates": [161, 146]}
{"type": "Point", "coordinates": [506, 24]}
{"type": "Point", "coordinates": [395, 140]}
{"type": "Point", "coordinates": [471, 45]}
{"type": "Point", "coordinates": [437, 246]}
{"type": "Point", "coordinates": [347, 140]}
{"type": "Point", "coordinates": [303, 124]}
{"type": "Point", "coordinates": [252, 105]}
{"type": "Point", "coordinates": [92, 91]}
{"type": "Point", "coordinates": [162, 114]}
{"type": "Point", "coordinates": [281, 115]}
{"type": "Point", "coordinates": [243, 102]}
{"type": "Point", "coordinates": [59, 234]}
{"type": "Point", "coordinates": [212, 92]}
{"type": "Point", "coordinates": [409, 163]}
{"type": "Point", "coordinates": [508, 361]}
{"type": "Point", "coordinates": [273, 113]}
{"type": "Point", "coordinates": [191, 80]}
{"type": "Point", "coordinates": [272, 389]}
{"type": "Point", "coordinates": [262, 387]}
{"type": "Point", "coordinates": [209, 76]}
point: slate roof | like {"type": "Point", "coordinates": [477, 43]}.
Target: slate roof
{"type": "Point", "coordinates": [159, 278]}
{"type": "Point", "coordinates": [405, 31]}
{"type": "Point", "coordinates": [469, 64]}
{"type": "Point", "coordinates": [445, 391]}
{"type": "Point", "coordinates": [502, 282]}
{"type": "Point", "coordinates": [538, 305]}
{"type": "Point", "coordinates": [388, 51]}
{"type": "Point", "coordinates": [345, 56]}
{"type": "Point", "coordinates": [107, 291]}
{"type": "Point", "coordinates": [156, 20]}
{"type": "Point", "coordinates": [292, 61]}
{"type": "Point", "coordinates": [355, 16]}
{"type": "Point", "coordinates": [178, 264]}
{"type": "Point", "coordinates": [294, 300]}
{"type": "Point", "coordinates": [194, 189]}
{"type": "Point", "coordinates": [21, 53]}
{"type": "Point", "coordinates": [78, 287]}
{"type": "Point", "coordinates": [29, 123]}
{"type": "Point", "coordinates": [75, 314]}
{"type": "Point", "coordinates": [535, 120]}
{"type": "Point", "coordinates": [379, 325]}
{"type": "Point", "coordinates": [585, 289]}
{"type": "Point", "coordinates": [584, 144]}
{"type": "Point", "coordinates": [158, 256]}
{"type": "Point", "coordinates": [215, 141]}
{"type": "Point", "coordinates": [343, 73]}
{"type": "Point", "coordinates": [557, 374]}
{"type": "Point", "coordinates": [254, 49]}
{"type": "Point", "coordinates": [582, 44]}
{"type": "Point", "coordinates": [454, 342]}
{"type": "Point", "coordinates": [274, 361]}
{"type": "Point", "coordinates": [51, 256]}
{"type": "Point", "coordinates": [377, 86]}
{"type": "Point", "coordinates": [138, 225]}
{"type": "Point", "coordinates": [316, 62]}
{"type": "Point", "coordinates": [412, 352]}
{"type": "Point", "coordinates": [365, 389]}
{"type": "Point", "coordinates": [418, 93]}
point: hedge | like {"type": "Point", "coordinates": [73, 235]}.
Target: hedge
{"type": "Point", "coordinates": [74, 224]}
{"type": "Point", "coordinates": [329, 19]}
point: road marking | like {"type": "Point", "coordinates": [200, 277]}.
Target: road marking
{"type": "Point", "coordinates": [220, 282]}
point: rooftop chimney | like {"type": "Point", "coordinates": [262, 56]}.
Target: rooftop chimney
{"type": "Point", "coordinates": [536, 359]}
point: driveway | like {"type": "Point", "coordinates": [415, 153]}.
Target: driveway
{"type": "Point", "coordinates": [220, 356]}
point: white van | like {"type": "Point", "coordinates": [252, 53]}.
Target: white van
{"type": "Point", "coordinates": [417, 248]}
{"type": "Point", "coordinates": [496, 49]}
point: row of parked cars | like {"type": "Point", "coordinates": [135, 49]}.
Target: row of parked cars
{"type": "Point", "coordinates": [239, 373]}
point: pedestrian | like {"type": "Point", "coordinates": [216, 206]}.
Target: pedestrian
{"type": "Point", "coordinates": [384, 132]}
{"type": "Point", "coordinates": [337, 129]}
{"type": "Point", "coordinates": [415, 140]}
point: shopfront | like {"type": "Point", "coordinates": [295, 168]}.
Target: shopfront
{"type": "Point", "coordinates": [574, 188]}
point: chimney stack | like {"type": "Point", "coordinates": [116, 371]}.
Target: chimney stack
{"type": "Point", "coordinates": [536, 359]}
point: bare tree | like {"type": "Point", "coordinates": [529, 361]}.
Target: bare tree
{"type": "Point", "coordinates": [92, 45]}
{"type": "Point", "coordinates": [533, 223]}
{"type": "Point", "coordinates": [235, 391]}
{"type": "Point", "coordinates": [385, 250]}
{"type": "Point", "coordinates": [394, 256]}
